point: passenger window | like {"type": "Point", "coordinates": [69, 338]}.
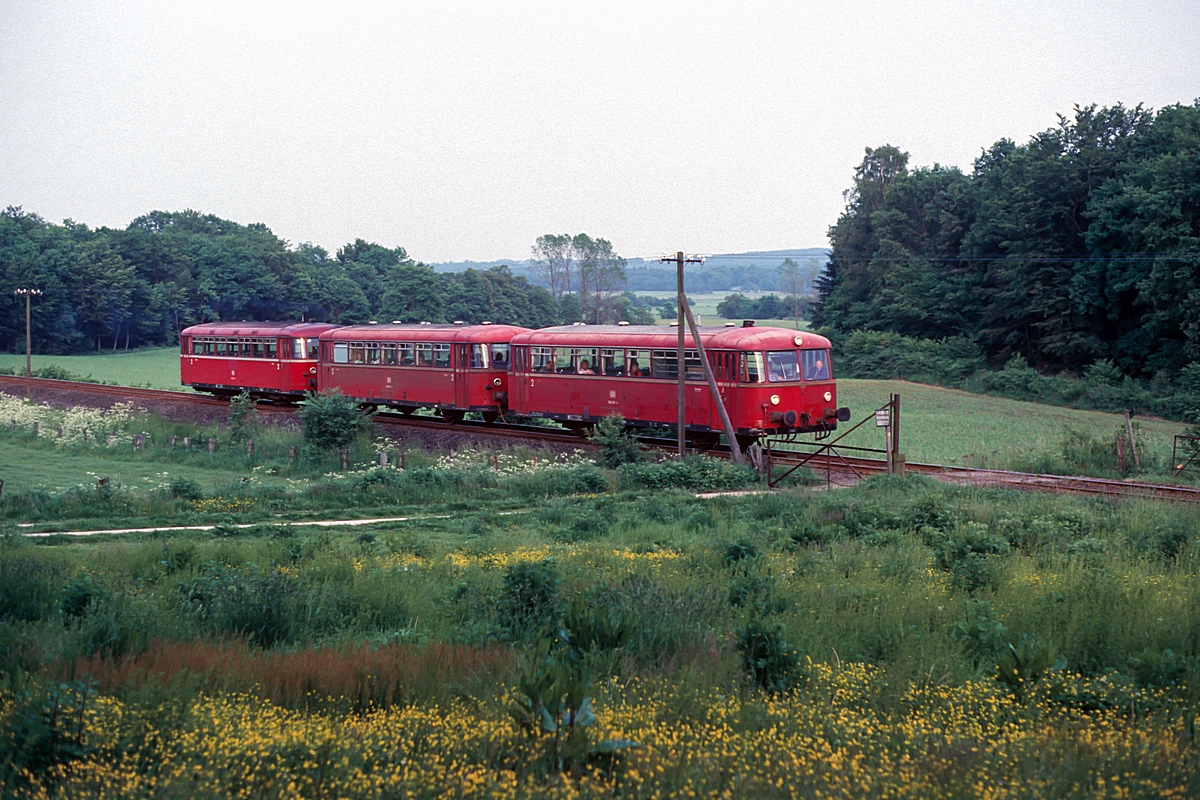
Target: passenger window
{"type": "Point", "coordinates": [479, 356]}
{"type": "Point", "coordinates": [441, 356]}
{"type": "Point", "coordinates": [197, 347]}
{"type": "Point", "coordinates": [564, 363]}
{"type": "Point", "coordinates": [424, 354]}
{"type": "Point", "coordinates": [270, 347]}
{"type": "Point", "coordinates": [693, 369]}
{"type": "Point", "coordinates": [587, 360]}
{"type": "Point", "coordinates": [387, 354]}
{"type": "Point", "coordinates": [341, 353]}
{"type": "Point", "coordinates": [543, 359]}
{"type": "Point", "coordinates": [372, 350]}
{"type": "Point", "coordinates": [314, 345]}
{"type": "Point", "coordinates": [815, 364]}
{"type": "Point", "coordinates": [613, 362]}
{"type": "Point", "coordinates": [499, 355]}
{"type": "Point", "coordinates": [666, 364]}
{"type": "Point", "coordinates": [638, 364]}
{"type": "Point", "coordinates": [357, 352]}
{"type": "Point", "coordinates": [222, 347]}
{"type": "Point", "coordinates": [256, 346]}
{"type": "Point", "coordinates": [752, 368]}
{"type": "Point", "coordinates": [404, 354]}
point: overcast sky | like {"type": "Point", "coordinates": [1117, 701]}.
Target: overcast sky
{"type": "Point", "coordinates": [465, 130]}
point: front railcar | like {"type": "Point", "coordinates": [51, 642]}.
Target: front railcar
{"type": "Point", "coordinates": [273, 361]}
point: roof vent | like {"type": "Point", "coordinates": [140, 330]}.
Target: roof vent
{"type": "Point", "coordinates": [486, 322]}
{"type": "Point", "coordinates": [730, 324]}
{"type": "Point", "coordinates": [747, 323]}
{"type": "Point", "coordinates": [675, 323]}
{"type": "Point", "coordinates": [425, 323]}
{"type": "Point", "coordinates": [373, 322]}
{"type": "Point", "coordinates": [578, 324]}
{"type": "Point", "coordinates": [397, 322]}
{"type": "Point", "coordinates": [623, 323]}
{"type": "Point", "coordinates": [458, 322]}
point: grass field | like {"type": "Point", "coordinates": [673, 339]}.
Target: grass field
{"type": "Point", "coordinates": [155, 368]}
{"type": "Point", "coordinates": [704, 307]}
{"type": "Point", "coordinates": [947, 426]}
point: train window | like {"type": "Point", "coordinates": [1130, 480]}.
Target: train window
{"type": "Point", "coordinates": [424, 354]}
{"type": "Point", "coordinates": [752, 368]}
{"type": "Point", "coordinates": [587, 360]}
{"type": "Point", "coordinates": [269, 344]}
{"type": "Point", "coordinates": [341, 353]}
{"type": "Point", "coordinates": [314, 346]}
{"type": "Point", "coordinates": [479, 356]}
{"type": "Point", "coordinates": [257, 346]}
{"type": "Point", "coordinates": [441, 356]}
{"type": "Point", "coordinates": [499, 355]}
{"type": "Point", "coordinates": [210, 346]}
{"type": "Point", "coordinates": [612, 362]}
{"type": "Point", "coordinates": [298, 348]}
{"type": "Point", "coordinates": [197, 346]}
{"type": "Point", "coordinates": [372, 350]}
{"type": "Point", "coordinates": [243, 348]}
{"type": "Point", "coordinates": [638, 365]}
{"type": "Point", "coordinates": [815, 364]}
{"type": "Point", "coordinates": [543, 359]}
{"type": "Point", "coordinates": [222, 346]}
{"type": "Point", "coordinates": [404, 354]}
{"type": "Point", "coordinates": [358, 352]}
{"type": "Point", "coordinates": [665, 364]}
{"type": "Point", "coordinates": [563, 361]}
{"type": "Point", "coordinates": [783, 365]}
{"type": "Point", "coordinates": [692, 368]}
{"type": "Point", "coordinates": [387, 355]}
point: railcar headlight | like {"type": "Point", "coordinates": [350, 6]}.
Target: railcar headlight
{"type": "Point", "coordinates": [799, 340]}
{"type": "Point", "coordinates": [312, 370]}
{"type": "Point", "coordinates": [497, 382]}
{"type": "Point", "coordinates": [828, 396]}
{"type": "Point", "coordinates": [774, 399]}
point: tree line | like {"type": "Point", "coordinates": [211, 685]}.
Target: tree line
{"type": "Point", "coordinates": [109, 288]}
{"type": "Point", "coordinates": [1082, 244]}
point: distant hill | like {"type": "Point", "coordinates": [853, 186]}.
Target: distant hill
{"type": "Point", "coordinates": [756, 270]}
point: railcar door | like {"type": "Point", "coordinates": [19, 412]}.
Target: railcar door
{"type": "Point", "coordinates": [462, 366]}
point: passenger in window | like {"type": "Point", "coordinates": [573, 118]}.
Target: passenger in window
{"type": "Point", "coordinates": [585, 368]}
{"type": "Point", "coordinates": [634, 370]}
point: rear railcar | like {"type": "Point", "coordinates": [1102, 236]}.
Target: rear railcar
{"type": "Point", "coordinates": [454, 369]}
{"type": "Point", "coordinates": [273, 361]}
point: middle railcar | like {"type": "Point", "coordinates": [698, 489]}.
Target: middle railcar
{"type": "Point", "coordinates": [451, 368]}
{"type": "Point", "coordinates": [771, 380]}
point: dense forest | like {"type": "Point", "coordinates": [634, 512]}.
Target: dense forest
{"type": "Point", "coordinates": [1080, 246]}
{"type": "Point", "coordinates": [107, 288]}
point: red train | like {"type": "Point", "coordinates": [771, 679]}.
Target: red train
{"type": "Point", "coordinates": [772, 380]}
{"type": "Point", "coordinates": [274, 361]}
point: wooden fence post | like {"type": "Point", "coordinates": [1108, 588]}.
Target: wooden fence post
{"type": "Point", "coordinates": [212, 444]}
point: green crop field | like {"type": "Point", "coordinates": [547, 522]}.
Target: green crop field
{"type": "Point", "coordinates": [155, 368]}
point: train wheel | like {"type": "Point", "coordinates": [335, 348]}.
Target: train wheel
{"type": "Point", "coordinates": [406, 411]}
{"type": "Point", "coordinates": [452, 416]}
{"type": "Point", "coordinates": [705, 440]}
{"type": "Point", "coordinates": [745, 441]}
{"type": "Point", "coordinates": [490, 417]}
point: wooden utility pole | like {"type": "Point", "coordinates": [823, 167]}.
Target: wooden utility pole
{"type": "Point", "coordinates": [29, 293]}
{"type": "Point", "coordinates": [685, 315]}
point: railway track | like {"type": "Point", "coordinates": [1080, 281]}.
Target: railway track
{"type": "Point", "coordinates": [843, 466]}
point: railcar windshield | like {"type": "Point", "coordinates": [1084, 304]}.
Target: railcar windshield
{"type": "Point", "coordinates": [499, 352]}
{"type": "Point", "coordinates": [815, 364]}
{"type": "Point", "coordinates": [479, 356]}
{"type": "Point", "coordinates": [783, 365]}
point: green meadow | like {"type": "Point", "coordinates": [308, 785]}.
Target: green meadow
{"type": "Point", "coordinates": [151, 367]}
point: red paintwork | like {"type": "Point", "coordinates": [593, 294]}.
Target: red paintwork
{"type": "Point", "coordinates": [648, 401]}
{"type": "Point", "coordinates": [456, 387]}
{"type": "Point", "coordinates": [280, 376]}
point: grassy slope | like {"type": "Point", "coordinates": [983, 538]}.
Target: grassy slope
{"type": "Point", "coordinates": [156, 368]}
{"type": "Point", "coordinates": [946, 426]}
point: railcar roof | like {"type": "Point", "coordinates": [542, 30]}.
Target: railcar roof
{"type": "Point", "coordinates": [254, 328]}
{"type": "Point", "coordinates": [656, 336]}
{"type": "Point", "coordinates": [424, 333]}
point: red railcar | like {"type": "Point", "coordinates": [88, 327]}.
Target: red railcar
{"type": "Point", "coordinates": [453, 368]}
{"type": "Point", "coordinates": [272, 360]}
{"type": "Point", "coordinates": [772, 380]}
